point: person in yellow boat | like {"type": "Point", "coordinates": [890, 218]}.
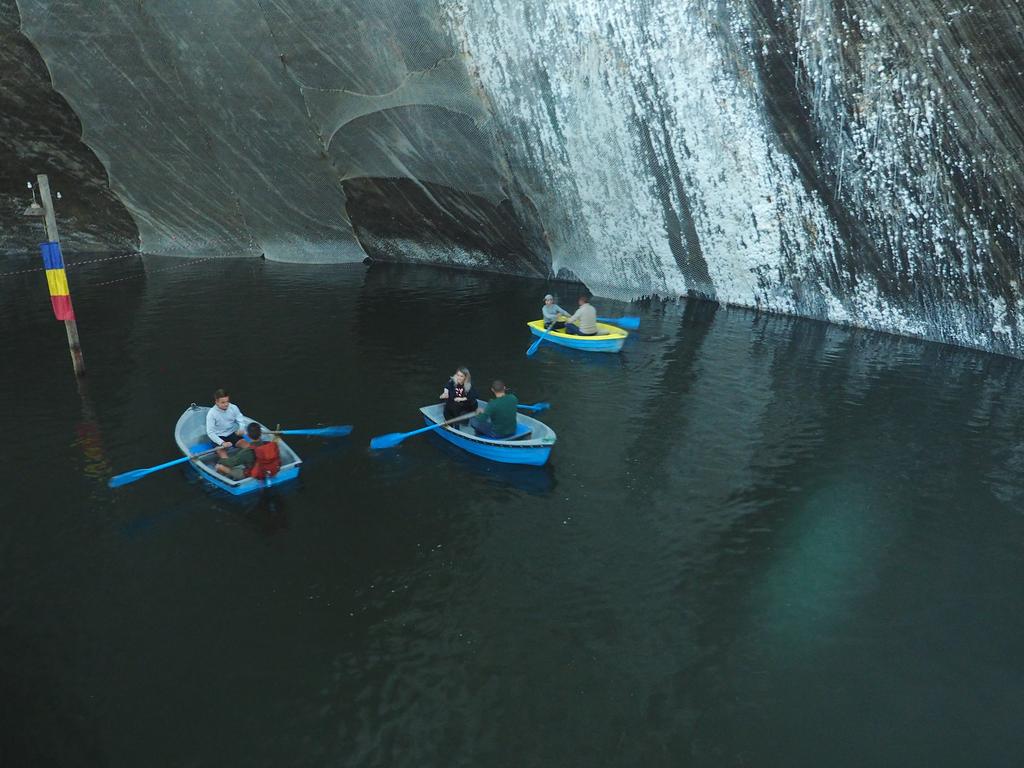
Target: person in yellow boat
{"type": "Point", "coordinates": [551, 312]}
{"type": "Point", "coordinates": [584, 321]}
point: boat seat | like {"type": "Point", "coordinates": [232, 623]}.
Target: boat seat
{"type": "Point", "coordinates": [522, 432]}
{"type": "Point", "coordinates": [209, 458]}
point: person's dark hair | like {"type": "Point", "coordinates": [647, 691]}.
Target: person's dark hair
{"type": "Point", "coordinates": [585, 296]}
{"type": "Point", "coordinates": [254, 431]}
{"type": "Point", "coordinates": [218, 394]}
{"type": "Point", "coordinates": [497, 386]}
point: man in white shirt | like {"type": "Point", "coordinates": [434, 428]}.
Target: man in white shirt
{"type": "Point", "coordinates": [225, 424]}
{"type": "Point", "coordinates": [584, 322]}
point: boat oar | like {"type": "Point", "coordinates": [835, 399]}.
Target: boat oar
{"type": "Point", "coordinates": [137, 474]}
{"type": "Point", "coordinates": [339, 431]}
{"type": "Point", "coordinates": [394, 438]}
{"type": "Point", "coordinates": [534, 408]}
{"type": "Point", "coordinates": [629, 323]}
{"type": "Point", "coordinates": [533, 347]}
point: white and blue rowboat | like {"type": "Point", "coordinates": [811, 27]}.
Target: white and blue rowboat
{"type": "Point", "coordinates": [609, 338]}
{"type": "Point", "coordinates": [190, 435]}
{"type": "Point", "coordinates": [531, 444]}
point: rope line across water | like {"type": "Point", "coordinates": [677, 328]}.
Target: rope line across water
{"type": "Point", "coordinates": [22, 271]}
{"type": "Point", "coordinates": [70, 265]}
{"type": "Point", "coordinates": [188, 263]}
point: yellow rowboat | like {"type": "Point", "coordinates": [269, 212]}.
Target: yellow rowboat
{"type": "Point", "coordinates": [609, 338]}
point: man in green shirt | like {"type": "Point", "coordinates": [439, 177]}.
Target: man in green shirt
{"type": "Point", "coordinates": [498, 419]}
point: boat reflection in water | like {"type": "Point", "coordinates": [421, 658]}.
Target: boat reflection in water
{"type": "Point", "coordinates": [537, 481]}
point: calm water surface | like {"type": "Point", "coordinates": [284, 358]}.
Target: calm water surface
{"type": "Point", "coordinates": [760, 541]}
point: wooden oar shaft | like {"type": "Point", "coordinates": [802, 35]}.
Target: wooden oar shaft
{"type": "Point", "coordinates": [463, 417]}
{"type": "Point", "coordinates": [394, 438]}
{"type": "Point", "coordinates": [338, 430]}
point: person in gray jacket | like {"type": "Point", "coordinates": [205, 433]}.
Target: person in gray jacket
{"type": "Point", "coordinates": [551, 311]}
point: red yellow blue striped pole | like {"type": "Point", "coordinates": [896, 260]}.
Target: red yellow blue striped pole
{"type": "Point", "coordinates": [56, 277]}
{"type": "Point", "coordinates": [57, 280]}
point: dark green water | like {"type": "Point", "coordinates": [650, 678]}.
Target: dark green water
{"type": "Point", "coordinates": [760, 541]}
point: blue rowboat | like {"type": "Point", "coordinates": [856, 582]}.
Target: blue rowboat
{"type": "Point", "coordinates": [609, 338]}
{"type": "Point", "coordinates": [531, 444]}
{"type": "Point", "coordinates": [190, 435]}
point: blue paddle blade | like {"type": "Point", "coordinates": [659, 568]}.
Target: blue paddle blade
{"type": "Point", "coordinates": [629, 323]}
{"type": "Point", "coordinates": [127, 477]}
{"type": "Point", "coordinates": [387, 441]}
{"type": "Point", "coordinates": [536, 407]}
{"type": "Point", "coordinates": [137, 474]}
{"type": "Point", "coordinates": [339, 431]}
{"type": "Point", "coordinates": [536, 344]}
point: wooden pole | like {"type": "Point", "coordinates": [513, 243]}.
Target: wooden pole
{"type": "Point", "coordinates": [74, 345]}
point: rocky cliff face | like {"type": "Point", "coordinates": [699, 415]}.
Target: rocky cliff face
{"type": "Point", "coordinates": [852, 161]}
{"type": "Point", "coordinates": [40, 133]}
{"type": "Point", "coordinates": [844, 160]}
